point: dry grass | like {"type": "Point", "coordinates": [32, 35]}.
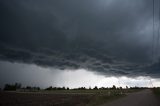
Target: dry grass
{"type": "Point", "coordinates": [59, 98]}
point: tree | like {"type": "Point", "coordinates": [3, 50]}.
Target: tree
{"type": "Point", "coordinates": [28, 87]}
{"type": "Point", "coordinates": [67, 88]}
{"type": "Point", "coordinates": [120, 88]}
{"type": "Point", "coordinates": [49, 88]}
{"type": "Point", "coordinates": [114, 87]}
{"type": "Point", "coordinates": [17, 85]}
{"type": "Point", "coordinates": [126, 87]}
{"type": "Point", "coordinates": [95, 88]}
{"type": "Point", "coordinates": [10, 87]}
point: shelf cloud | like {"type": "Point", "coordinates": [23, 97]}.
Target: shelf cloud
{"type": "Point", "coordinates": [111, 37]}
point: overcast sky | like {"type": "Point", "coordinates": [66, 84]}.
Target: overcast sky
{"type": "Point", "coordinates": [104, 37]}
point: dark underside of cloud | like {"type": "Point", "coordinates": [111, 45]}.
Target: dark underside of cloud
{"type": "Point", "coordinates": [107, 36]}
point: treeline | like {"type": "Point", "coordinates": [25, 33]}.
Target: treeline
{"type": "Point", "coordinates": [18, 87]}
{"type": "Point", "coordinates": [84, 88]}
{"type": "Point", "coordinates": [57, 88]}
{"type": "Point", "coordinates": [12, 87]}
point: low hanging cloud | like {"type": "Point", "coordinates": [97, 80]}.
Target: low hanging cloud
{"type": "Point", "coordinates": [107, 36]}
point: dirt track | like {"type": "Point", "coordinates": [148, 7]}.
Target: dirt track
{"type": "Point", "coordinates": [142, 98]}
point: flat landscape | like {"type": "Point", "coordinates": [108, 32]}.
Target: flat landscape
{"type": "Point", "coordinates": [80, 53]}
{"type": "Point", "coordinates": [59, 98]}
{"type": "Point", "coordinates": [31, 99]}
{"type": "Point", "coordinates": [79, 98]}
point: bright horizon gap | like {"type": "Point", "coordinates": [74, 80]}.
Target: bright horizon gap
{"type": "Point", "coordinates": [33, 75]}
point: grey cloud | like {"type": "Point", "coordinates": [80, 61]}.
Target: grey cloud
{"type": "Point", "coordinates": [103, 64]}
{"type": "Point", "coordinates": [108, 36]}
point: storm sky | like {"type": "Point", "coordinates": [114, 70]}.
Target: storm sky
{"type": "Point", "coordinates": [105, 37]}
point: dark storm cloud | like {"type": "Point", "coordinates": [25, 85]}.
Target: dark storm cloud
{"type": "Point", "coordinates": [102, 35]}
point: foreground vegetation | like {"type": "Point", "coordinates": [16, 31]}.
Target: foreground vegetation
{"type": "Point", "coordinates": [157, 91]}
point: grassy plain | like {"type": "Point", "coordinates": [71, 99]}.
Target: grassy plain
{"type": "Point", "coordinates": [61, 97]}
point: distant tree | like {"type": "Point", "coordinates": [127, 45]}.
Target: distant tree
{"type": "Point", "coordinates": [67, 88]}
{"type": "Point", "coordinates": [35, 88]}
{"type": "Point", "coordinates": [49, 88]}
{"type": "Point", "coordinates": [126, 87]}
{"type": "Point", "coordinates": [6, 87]}
{"type": "Point", "coordinates": [59, 88]}
{"type": "Point", "coordinates": [63, 88]}
{"type": "Point", "coordinates": [29, 87]}
{"type": "Point", "coordinates": [81, 88]}
{"type": "Point", "coordinates": [38, 88]}
{"type": "Point", "coordinates": [95, 88]}
{"type": "Point", "coordinates": [102, 88]}
{"type": "Point", "coordinates": [10, 87]}
{"type": "Point", "coordinates": [114, 87]}
{"type": "Point", "coordinates": [120, 88]}
{"type": "Point", "coordinates": [17, 85]}
{"type": "Point", "coordinates": [56, 88]}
